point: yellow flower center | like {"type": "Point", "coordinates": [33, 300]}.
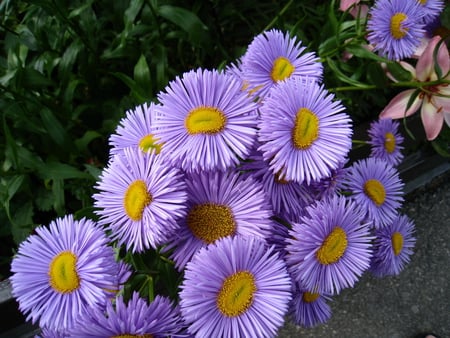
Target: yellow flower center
{"type": "Point", "coordinates": [397, 243]}
{"type": "Point", "coordinates": [63, 272]}
{"type": "Point", "coordinates": [333, 247]}
{"type": "Point", "coordinates": [389, 142]}
{"type": "Point", "coordinates": [306, 129]}
{"type": "Point", "coordinates": [375, 191]}
{"type": "Point", "coordinates": [397, 30]}
{"type": "Point", "coordinates": [205, 120]}
{"type": "Point", "coordinates": [309, 297]}
{"type": "Point", "coordinates": [236, 294]}
{"type": "Point", "coordinates": [136, 199]}
{"type": "Point", "coordinates": [282, 68]}
{"type": "Point", "coordinates": [148, 143]}
{"type": "Point", "coordinates": [209, 222]}
{"type": "Point", "coordinates": [422, 2]}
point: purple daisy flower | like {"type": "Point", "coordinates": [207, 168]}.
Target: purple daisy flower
{"type": "Point", "coordinates": [395, 27]}
{"type": "Point", "coordinates": [140, 199]}
{"type": "Point", "coordinates": [136, 130]}
{"type": "Point", "coordinates": [236, 287]}
{"type": "Point", "coordinates": [393, 247]}
{"type": "Point", "coordinates": [136, 318]}
{"type": "Point", "coordinates": [61, 271]}
{"type": "Point", "coordinates": [377, 189]}
{"type": "Point", "coordinates": [288, 198]}
{"type": "Point", "coordinates": [329, 186]}
{"type": "Point", "coordinates": [274, 56]}
{"type": "Point", "coordinates": [206, 122]}
{"type": "Point", "coordinates": [308, 309]}
{"type": "Point", "coordinates": [431, 9]}
{"type": "Point", "coordinates": [219, 204]}
{"type": "Point", "coordinates": [330, 248]}
{"type": "Point", "coordinates": [385, 141]}
{"type": "Point", "coordinates": [303, 134]}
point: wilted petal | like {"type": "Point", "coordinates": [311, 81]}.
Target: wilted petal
{"type": "Point", "coordinates": [396, 109]}
{"type": "Point", "coordinates": [425, 64]}
{"type": "Point", "coordinates": [432, 119]}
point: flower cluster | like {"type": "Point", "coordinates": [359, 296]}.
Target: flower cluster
{"type": "Point", "coordinates": [241, 179]}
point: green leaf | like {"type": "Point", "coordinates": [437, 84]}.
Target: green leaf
{"type": "Point", "coordinates": [189, 22]}
{"type": "Point", "coordinates": [58, 195]}
{"type": "Point", "coordinates": [398, 72]}
{"type": "Point", "coordinates": [54, 128]}
{"type": "Point", "coordinates": [136, 90]}
{"type": "Point", "coordinates": [132, 11]}
{"type": "Point", "coordinates": [142, 76]}
{"type": "Point", "coordinates": [32, 79]}
{"type": "Point", "coordinates": [23, 222]}
{"type": "Point", "coordinates": [376, 75]}
{"type": "Point", "coordinates": [361, 52]}
{"type": "Point", "coordinates": [53, 170]}
{"type": "Point", "coordinates": [87, 138]}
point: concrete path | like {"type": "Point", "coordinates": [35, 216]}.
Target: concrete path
{"type": "Point", "coordinates": [416, 301]}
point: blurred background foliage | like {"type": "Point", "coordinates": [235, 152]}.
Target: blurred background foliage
{"type": "Point", "coordinates": [69, 70]}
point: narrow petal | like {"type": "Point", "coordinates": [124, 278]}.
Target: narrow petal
{"type": "Point", "coordinates": [425, 64]}
{"type": "Point", "coordinates": [447, 118]}
{"type": "Point", "coordinates": [396, 109]}
{"type": "Point", "coordinates": [432, 119]}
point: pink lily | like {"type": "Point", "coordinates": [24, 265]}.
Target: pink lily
{"type": "Point", "coordinates": [433, 100]}
{"type": "Point", "coordinates": [357, 9]}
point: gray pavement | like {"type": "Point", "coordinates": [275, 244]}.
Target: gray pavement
{"type": "Point", "coordinates": [416, 301]}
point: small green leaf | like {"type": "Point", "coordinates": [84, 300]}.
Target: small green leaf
{"type": "Point", "coordinates": [23, 222]}
{"type": "Point", "coordinates": [142, 75]}
{"type": "Point", "coordinates": [60, 171]}
{"type": "Point", "coordinates": [398, 72]}
{"type": "Point", "coordinates": [87, 138]}
{"type": "Point", "coordinates": [361, 52]}
{"type": "Point", "coordinates": [54, 128]}
{"type": "Point", "coordinates": [188, 21]}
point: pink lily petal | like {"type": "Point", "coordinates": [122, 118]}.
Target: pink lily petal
{"type": "Point", "coordinates": [410, 68]}
{"type": "Point", "coordinates": [360, 10]}
{"type": "Point", "coordinates": [425, 64]}
{"type": "Point", "coordinates": [447, 118]}
{"type": "Point", "coordinates": [432, 120]}
{"type": "Point", "coordinates": [345, 4]}
{"type": "Point", "coordinates": [441, 103]}
{"type": "Point", "coordinates": [397, 107]}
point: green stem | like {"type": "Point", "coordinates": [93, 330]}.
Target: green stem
{"type": "Point", "coordinates": [274, 20]}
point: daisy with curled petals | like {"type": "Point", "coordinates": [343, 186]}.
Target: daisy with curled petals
{"type": "Point", "coordinates": [434, 98]}
{"type": "Point", "coordinates": [376, 188]}
{"type": "Point", "coordinates": [135, 318]}
{"type": "Point", "coordinates": [303, 133]}
{"type": "Point", "coordinates": [136, 130]}
{"type": "Point", "coordinates": [219, 204]}
{"type": "Point", "coordinates": [385, 141]}
{"type": "Point", "coordinates": [308, 309]}
{"type": "Point", "coordinates": [61, 270]}
{"type": "Point", "coordinates": [274, 56]}
{"type": "Point", "coordinates": [140, 199]}
{"type": "Point", "coordinates": [395, 27]}
{"type": "Point", "coordinates": [393, 247]}
{"type": "Point", "coordinates": [205, 121]}
{"type": "Point", "coordinates": [330, 248]}
{"type": "Point", "coordinates": [236, 287]}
